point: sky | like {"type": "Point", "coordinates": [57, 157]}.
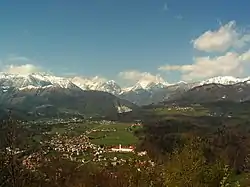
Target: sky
{"type": "Point", "coordinates": [128, 40]}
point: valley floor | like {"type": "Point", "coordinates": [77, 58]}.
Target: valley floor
{"type": "Point", "coordinates": [185, 145]}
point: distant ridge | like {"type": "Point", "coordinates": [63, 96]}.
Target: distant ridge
{"type": "Point", "coordinates": [144, 92]}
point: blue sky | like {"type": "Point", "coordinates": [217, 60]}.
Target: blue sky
{"type": "Point", "coordinates": [126, 40]}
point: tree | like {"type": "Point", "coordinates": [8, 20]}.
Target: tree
{"type": "Point", "coordinates": [13, 148]}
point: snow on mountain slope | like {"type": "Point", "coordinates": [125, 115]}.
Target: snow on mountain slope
{"type": "Point", "coordinates": [35, 80]}
{"type": "Point", "coordinates": [155, 86]}
{"type": "Point", "coordinates": [225, 80]}
{"type": "Point", "coordinates": [19, 81]}
{"type": "Point", "coordinates": [110, 86]}
{"type": "Point", "coordinates": [88, 83]}
{"type": "Point", "coordinates": [61, 82]}
{"type": "Point", "coordinates": [127, 89]}
{"type": "Point", "coordinates": [148, 85]}
{"type": "Point", "coordinates": [43, 80]}
{"type": "Point", "coordinates": [40, 80]}
{"type": "Point", "coordinates": [97, 83]}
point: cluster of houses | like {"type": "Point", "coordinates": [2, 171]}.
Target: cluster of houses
{"type": "Point", "coordinates": [34, 160]}
{"type": "Point", "coordinates": [76, 145]}
{"type": "Point", "coordinates": [75, 148]}
{"type": "Point", "coordinates": [101, 130]}
{"type": "Point", "coordinates": [124, 149]}
{"type": "Point", "coordinates": [180, 108]}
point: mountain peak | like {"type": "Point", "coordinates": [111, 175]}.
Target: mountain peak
{"type": "Point", "coordinates": [45, 80]}
{"type": "Point", "coordinates": [111, 82]}
{"type": "Point", "coordinates": [149, 84]}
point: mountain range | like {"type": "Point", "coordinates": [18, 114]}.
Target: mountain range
{"type": "Point", "coordinates": [142, 93]}
{"type": "Point", "coordinates": [38, 95]}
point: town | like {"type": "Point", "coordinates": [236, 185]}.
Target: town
{"type": "Point", "coordinates": [74, 140]}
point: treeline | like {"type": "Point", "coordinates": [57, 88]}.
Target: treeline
{"type": "Point", "coordinates": [182, 153]}
{"type": "Point", "coordinates": [217, 142]}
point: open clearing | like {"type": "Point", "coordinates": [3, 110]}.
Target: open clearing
{"type": "Point", "coordinates": [114, 134]}
{"type": "Point", "coordinates": [101, 133]}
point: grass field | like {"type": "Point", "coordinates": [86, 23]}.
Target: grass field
{"type": "Point", "coordinates": [107, 134]}
{"type": "Point", "coordinates": [188, 111]}
{"type": "Point", "coordinates": [76, 128]}
{"type": "Point", "coordinates": [120, 133]}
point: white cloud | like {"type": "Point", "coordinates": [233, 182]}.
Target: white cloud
{"type": "Point", "coordinates": [232, 63]}
{"type": "Point", "coordinates": [175, 67]}
{"type": "Point", "coordinates": [89, 80]}
{"type": "Point", "coordinates": [205, 67]}
{"type": "Point", "coordinates": [22, 69]}
{"type": "Point", "coordinates": [221, 40]}
{"type": "Point", "coordinates": [135, 76]}
{"type": "Point", "coordinates": [18, 58]}
{"type": "Point", "coordinates": [245, 57]}
{"type": "Point", "coordinates": [19, 65]}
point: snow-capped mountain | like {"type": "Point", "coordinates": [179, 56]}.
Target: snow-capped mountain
{"type": "Point", "coordinates": [143, 92]}
{"type": "Point", "coordinates": [97, 83]}
{"type": "Point", "coordinates": [39, 80]}
{"type": "Point", "coordinates": [61, 82]}
{"type": "Point", "coordinates": [224, 80]}
{"type": "Point", "coordinates": [239, 92]}
{"type": "Point", "coordinates": [22, 81]}
{"type": "Point", "coordinates": [44, 80]}
{"type": "Point", "coordinates": [34, 80]}
{"type": "Point", "coordinates": [87, 83]}
{"type": "Point", "coordinates": [147, 85]}
{"type": "Point", "coordinates": [110, 86]}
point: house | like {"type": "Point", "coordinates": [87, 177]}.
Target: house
{"type": "Point", "coordinates": [122, 149]}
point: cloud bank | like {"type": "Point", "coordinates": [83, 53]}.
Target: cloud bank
{"type": "Point", "coordinates": [205, 67]}
{"type": "Point", "coordinates": [19, 65]}
{"type": "Point", "coordinates": [22, 69]}
{"type": "Point", "coordinates": [135, 76]}
{"type": "Point", "coordinates": [225, 40]}
{"type": "Point", "coordinates": [226, 37]}
{"type": "Point", "coordinates": [227, 53]}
